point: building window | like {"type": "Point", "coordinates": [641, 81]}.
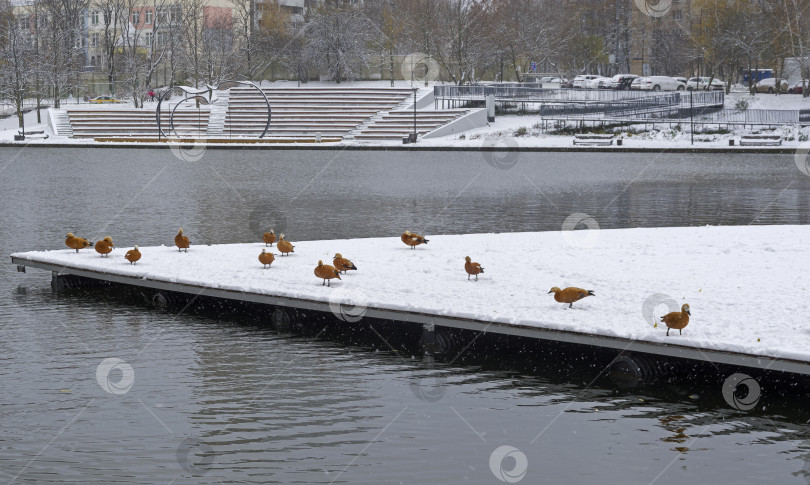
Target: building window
{"type": "Point", "coordinates": [161, 39]}
{"type": "Point", "coordinates": [94, 40]}
{"type": "Point", "coordinates": [174, 14]}
{"type": "Point", "coordinates": [678, 15]}
{"type": "Point", "coordinates": [23, 20]}
{"type": "Point", "coordinates": [94, 17]}
{"type": "Point", "coordinates": [148, 17]}
{"type": "Point", "coordinates": [93, 60]}
{"type": "Point", "coordinates": [136, 17]}
{"type": "Point", "coordinates": [149, 39]}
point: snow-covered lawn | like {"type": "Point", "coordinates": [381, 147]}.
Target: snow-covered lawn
{"type": "Point", "coordinates": [747, 286]}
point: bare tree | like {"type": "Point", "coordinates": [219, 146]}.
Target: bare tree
{"type": "Point", "coordinates": [15, 56]}
{"type": "Point", "coordinates": [113, 20]}
{"type": "Point", "coordinates": [339, 34]}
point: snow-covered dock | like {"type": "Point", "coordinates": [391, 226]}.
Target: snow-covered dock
{"type": "Point", "coordinates": [747, 286]}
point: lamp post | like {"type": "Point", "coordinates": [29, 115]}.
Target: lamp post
{"type": "Point", "coordinates": [415, 90]}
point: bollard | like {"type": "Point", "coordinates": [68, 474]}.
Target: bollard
{"type": "Point", "coordinates": [731, 143]}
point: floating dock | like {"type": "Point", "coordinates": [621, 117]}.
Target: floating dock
{"type": "Point", "coordinates": [747, 286]}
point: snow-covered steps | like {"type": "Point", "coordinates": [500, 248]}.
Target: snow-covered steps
{"type": "Point", "coordinates": [216, 118]}
{"type": "Point", "coordinates": [131, 122]}
{"type": "Point", "coordinates": [747, 286]}
{"type": "Point", "coordinates": [60, 122]}
{"type": "Point", "coordinates": [307, 112]}
{"type": "Point", "coordinates": [396, 125]}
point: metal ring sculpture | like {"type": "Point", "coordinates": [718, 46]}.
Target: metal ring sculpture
{"type": "Point", "coordinates": [198, 95]}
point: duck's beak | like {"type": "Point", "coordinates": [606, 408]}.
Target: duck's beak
{"type": "Point", "coordinates": [689, 312]}
{"type": "Point", "coordinates": [550, 292]}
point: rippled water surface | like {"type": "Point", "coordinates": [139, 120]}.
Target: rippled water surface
{"type": "Point", "coordinates": [226, 400]}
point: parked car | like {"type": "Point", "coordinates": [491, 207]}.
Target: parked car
{"type": "Point", "coordinates": [551, 82]}
{"type": "Point", "coordinates": [566, 83]}
{"type": "Point", "coordinates": [659, 83]}
{"type": "Point", "coordinates": [702, 84]}
{"type": "Point", "coordinates": [579, 81]}
{"type": "Point", "coordinates": [604, 83]}
{"type": "Point", "coordinates": [769, 86]}
{"type": "Point", "coordinates": [622, 81]}
{"type": "Point", "coordinates": [680, 79]}
{"type": "Point", "coordinates": [104, 100]}
{"type": "Point", "coordinates": [594, 83]}
{"type": "Point", "coordinates": [797, 87]}
{"type": "Point", "coordinates": [635, 85]}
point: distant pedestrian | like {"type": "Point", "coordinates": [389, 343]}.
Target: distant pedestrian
{"type": "Point", "coordinates": [151, 95]}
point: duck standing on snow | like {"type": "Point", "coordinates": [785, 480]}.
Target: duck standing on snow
{"type": "Point", "coordinates": [104, 247]}
{"type": "Point", "coordinates": [76, 243]}
{"type": "Point", "coordinates": [269, 238]}
{"type": "Point", "coordinates": [266, 259]}
{"type": "Point", "coordinates": [677, 320]}
{"type": "Point", "coordinates": [284, 246]}
{"type": "Point", "coordinates": [326, 273]}
{"type": "Point", "coordinates": [343, 264]}
{"type": "Point", "coordinates": [413, 239]}
{"type": "Point", "coordinates": [133, 255]}
{"type": "Point", "coordinates": [472, 268]}
{"type": "Point", "coordinates": [181, 241]}
{"type": "Point", "coordinates": [570, 295]}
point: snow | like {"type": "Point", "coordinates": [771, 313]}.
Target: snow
{"type": "Point", "coordinates": [747, 286]}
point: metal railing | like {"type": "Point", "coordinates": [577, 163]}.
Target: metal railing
{"type": "Point", "coordinates": [516, 92]}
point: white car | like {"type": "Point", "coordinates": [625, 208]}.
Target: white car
{"type": "Point", "coordinates": [579, 81]}
{"type": "Point", "coordinates": [551, 82]}
{"type": "Point", "coordinates": [769, 86]}
{"type": "Point", "coordinates": [702, 83]}
{"type": "Point", "coordinates": [594, 83]}
{"type": "Point", "coordinates": [620, 81]}
{"type": "Point", "coordinates": [659, 83]}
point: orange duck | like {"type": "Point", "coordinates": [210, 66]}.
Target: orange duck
{"type": "Point", "coordinates": [133, 255]}
{"type": "Point", "coordinates": [677, 320]}
{"type": "Point", "coordinates": [343, 264]}
{"type": "Point", "coordinates": [266, 259]}
{"type": "Point", "coordinates": [413, 239]}
{"type": "Point", "coordinates": [284, 246]}
{"type": "Point", "coordinates": [77, 243]}
{"type": "Point", "coordinates": [570, 295]}
{"type": "Point", "coordinates": [472, 268]}
{"type": "Point", "coordinates": [181, 241]}
{"type": "Point", "coordinates": [326, 273]}
{"type": "Point", "coordinates": [268, 238]}
{"type": "Point", "coordinates": [104, 247]}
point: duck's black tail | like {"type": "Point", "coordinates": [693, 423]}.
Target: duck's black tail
{"type": "Point", "coordinates": [591, 293]}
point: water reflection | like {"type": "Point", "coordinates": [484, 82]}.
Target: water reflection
{"type": "Point", "coordinates": [226, 399]}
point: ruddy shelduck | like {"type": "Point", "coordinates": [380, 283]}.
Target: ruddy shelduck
{"type": "Point", "coordinates": [269, 238]}
{"type": "Point", "coordinates": [284, 246]}
{"type": "Point", "coordinates": [181, 241]}
{"type": "Point", "coordinates": [266, 259]}
{"type": "Point", "coordinates": [413, 239]}
{"type": "Point", "coordinates": [570, 295]}
{"type": "Point", "coordinates": [343, 264]}
{"type": "Point", "coordinates": [104, 247]}
{"type": "Point", "coordinates": [133, 255]}
{"type": "Point", "coordinates": [677, 320]}
{"type": "Point", "coordinates": [472, 268]}
{"type": "Point", "coordinates": [76, 243]}
{"type": "Point", "coordinates": [326, 273]}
